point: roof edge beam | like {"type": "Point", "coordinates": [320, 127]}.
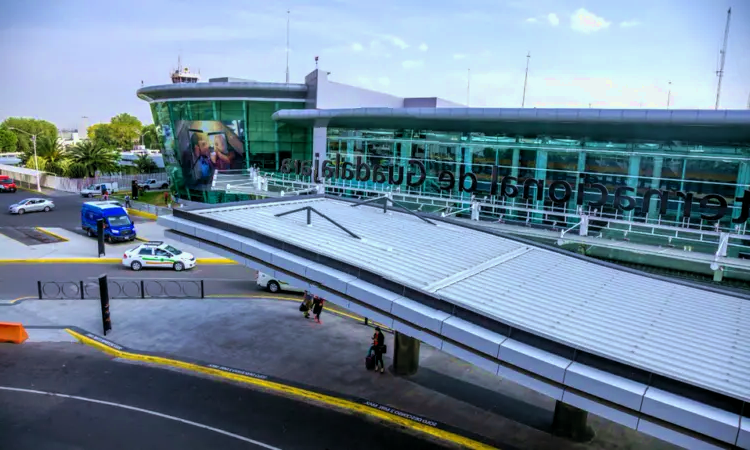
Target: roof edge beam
{"type": "Point", "coordinates": [471, 271]}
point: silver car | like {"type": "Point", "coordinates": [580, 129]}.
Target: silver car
{"type": "Point", "coordinates": [31, 205]}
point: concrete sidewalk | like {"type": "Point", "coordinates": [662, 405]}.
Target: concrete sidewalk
{"type": "Point", "coordinates": [78, 245]}
{"type": "Point", "coordinates": [272, 337]}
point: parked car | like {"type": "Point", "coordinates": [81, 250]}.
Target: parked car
{"type": "Point", "coordinates": [7, 184]}
{"type": "Point", "coordinates": [273, 285]}
{"type": "Point", "coordinates": [157, 254]}
{"type": "Point", "coordinates": [153, 184]}
{"type": "Point", "coordinates": [31, 205]}
{"type": "Point", "coordinates": [95, 190]}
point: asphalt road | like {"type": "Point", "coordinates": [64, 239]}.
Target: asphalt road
{"type": "Point", "coordinates": [67, 212]}
{"type": "Point", "coordinates": [20, 280]}
{"type": "Point", "coordinates": [153, 408]}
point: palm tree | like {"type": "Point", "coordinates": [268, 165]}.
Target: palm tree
{"type": "Point", "coordinates": [94, 158]}
{"type": "Point", "coordinates": [145, 164]}
{"type": "Point", "coordinates": [50, 156]}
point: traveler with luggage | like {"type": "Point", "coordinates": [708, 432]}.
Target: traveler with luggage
{"type": "Point", "coordinates": [318, 307]}
{"type": "Point", "coordinates": [378, 347]}
{"type": "Point", "coordinates": [306, 304]}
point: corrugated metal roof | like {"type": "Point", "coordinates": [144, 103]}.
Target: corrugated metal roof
{"type": "Point", "coordinates": [688, 334]}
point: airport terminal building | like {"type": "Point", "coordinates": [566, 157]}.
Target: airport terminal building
{"type": "Point", "coordinates": [669, 188]}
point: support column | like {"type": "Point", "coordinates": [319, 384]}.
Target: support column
{"type": "Point", "coordinates": [320, 147]}
{"type": "Point", "coordinates": [540, 174]}
{"type": "Point", "coordinates": [515, 162]}
{"type": "Point", "coordinates": [653, 212]}
{"type": "Point", "coordinates": [634, 168]}
{"type": "Point", "coordinates": [743, 179]}
{"type": "Point", "coordinates": [580, 168]}
{"type": "Point", "coordinates": [570, 422]}
{"type": "Point", "coordinates": [405, 354]}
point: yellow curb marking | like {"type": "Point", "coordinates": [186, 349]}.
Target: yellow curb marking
{"type": "Point", "coordinates": [19, 299]}
{"type": "Point", "coordinates": [143, 214]}
{"type": "Point", "coordinates": [49, 233]}
{"type": "Point", "coordinates": [208, 261]}
{"type": "Point", "coordinates": [298, 300]}
{"type": "Point", "coordinates": [278, 387]}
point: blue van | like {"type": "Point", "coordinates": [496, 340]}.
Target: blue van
{"type": "Point", "coordinates": [117, 224]}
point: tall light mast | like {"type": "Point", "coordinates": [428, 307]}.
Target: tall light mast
{"type": "Point", "coordinates": [525, 79]}
{"type": "Point", "coordinates": [723, 53]}
{"type": "Point", "coordinates": [287, 47]}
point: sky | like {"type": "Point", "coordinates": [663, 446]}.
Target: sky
{"type": "Point", "coordinates": [65, 59]}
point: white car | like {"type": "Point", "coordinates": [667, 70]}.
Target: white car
{"type": "Point", "coordinates": [273, 285]}
{"type": "Point", "coordinates": [153, 184]}
{"type": "Point", "coordinates": [31, 205]}
{"type": "Point", "coordinates": [159, 255]}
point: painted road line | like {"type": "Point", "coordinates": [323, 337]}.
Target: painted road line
{"type": "Point", "coordinates": [207, 261]}
{"type": "Point", "coordinates": [365, 407]}
{"type": "Point", "coordinates": [298, 300]}
{"type": "Point", "coordinates": [141, 410]}
{"type": "Point", "coordinates": [50, 233]}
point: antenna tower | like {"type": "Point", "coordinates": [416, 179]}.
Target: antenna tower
{"type": "Point", "coordinates": [287, 47]}
{"type": "Point", "coordinates": [723, 53]}
{"type": "Point", "coordinates": [525, 79]}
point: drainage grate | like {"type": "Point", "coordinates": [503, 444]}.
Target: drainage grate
{"type": "Point", "coordinates": [28, 235]}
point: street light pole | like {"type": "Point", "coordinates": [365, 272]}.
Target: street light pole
{"type": "Point", "coordinates": [36, 160]}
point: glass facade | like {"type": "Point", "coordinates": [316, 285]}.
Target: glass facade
{"type": "Point", "coordinates": [235, 134]}
{"type": "Point", "coordinates": [634, 168]}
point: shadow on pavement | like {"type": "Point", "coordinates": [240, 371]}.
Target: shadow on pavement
{"type": "Point", "coordinates": [491, 401]}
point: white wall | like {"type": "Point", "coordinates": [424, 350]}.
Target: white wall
{"type": "Point", "coordinates": [330, 95]}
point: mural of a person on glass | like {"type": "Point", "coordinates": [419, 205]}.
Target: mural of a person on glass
{"type": "Point", "coordinates": [207, 146]}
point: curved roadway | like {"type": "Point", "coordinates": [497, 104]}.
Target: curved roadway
{"type": "Point", "coordinates": [103, 403]}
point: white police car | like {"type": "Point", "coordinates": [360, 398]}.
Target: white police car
{"type": "Point", "coordinates": [159, 255]}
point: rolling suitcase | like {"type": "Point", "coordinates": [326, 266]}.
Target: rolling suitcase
{"type": "Point", "coordinates": [370, 362]}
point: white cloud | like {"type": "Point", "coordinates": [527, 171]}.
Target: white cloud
{"type": "Point", "coordinates": [357, 47]}
{"type": "Point", "coordinates": [423, 47]}
{"type": "Point", "coordinates": [629, 23]}
{"type": "Point", "coordinates": [396, 41]}
{"type": "Point", "coordinates": [553, 19]}
{"type": "Point", "coordinates": [585, 21]}
{"type": "Point", "coordinates": [412, 64]}
{"type": "Point", "coordinates": [459, 56]}
{"type": "Point", "coordinates": [384, 81]}
{"type": "Point", "coordinates": [532, 20]}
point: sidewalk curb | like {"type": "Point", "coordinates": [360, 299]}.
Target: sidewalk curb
{"type": "Point", "coordinates": [211, 261]}
{"type": "Point", "coordinates": [288, 388]}
{"type": "Point", "coordinates": [50, 233]}
{"type": "Point", "coordinates": [139, 213]}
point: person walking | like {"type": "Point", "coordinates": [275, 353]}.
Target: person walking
{"type": "Point", "coordinates": [127, 201]}
{"type": "Point", "coordinates": [106, 195]}
{"type": "Point", "coordinates": [318, 307]}
{"type": "Point", "coordinates": [306, 304]}
{"type": "Point", "coordinates": [378, 346]}
{"type": "Point", "coordinates": [166, 199]}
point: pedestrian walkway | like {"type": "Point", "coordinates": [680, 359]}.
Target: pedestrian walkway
{"type": "Point", "coordinates": [272, 337]}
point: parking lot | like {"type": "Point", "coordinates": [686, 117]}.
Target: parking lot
{"type": "Point", "coordinates": [67, 215]}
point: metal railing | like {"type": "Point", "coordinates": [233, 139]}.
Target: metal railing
{"type": "Point", "coordinates": [122, 288]}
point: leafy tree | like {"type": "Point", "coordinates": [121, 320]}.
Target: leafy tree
{"type": "Point", "coordinates": [150, 137]}
{"type": "Point", "coordinates": [75, 170]}
{"type": "Point", "coordinates": [102, 135]}
{"type": "Point", "coordinates": [95, 158]}
{"type": "Point", "coordinates": [8, 141]}
{"type": "Point", "coordinates": [40, 128]}
{"type": "Point", "coordinates": [126, 130]}
{"type": "Point", "coordinates": [145, 164]}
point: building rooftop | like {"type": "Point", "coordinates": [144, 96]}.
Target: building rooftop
{"type": "Point", "coordinates": [705, 126]}
{"type": "Point", "coordinates": [698, 336]}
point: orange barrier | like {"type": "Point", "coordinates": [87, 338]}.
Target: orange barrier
{"type": "Point", "coordinates": [12, 332]}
